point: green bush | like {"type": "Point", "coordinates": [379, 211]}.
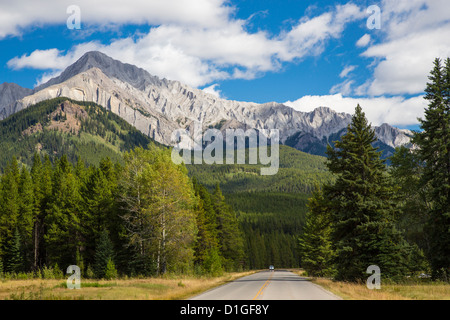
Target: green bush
{"type": "Point", "coordinates": [110, 271]}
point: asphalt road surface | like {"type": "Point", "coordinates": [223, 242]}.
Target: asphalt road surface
{"type": "Point", "coordinates": [268, 285]}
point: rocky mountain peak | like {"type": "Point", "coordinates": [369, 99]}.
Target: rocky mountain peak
{"type": "Point", "coordinates": [137, 77]}
{"type": "Point", "coordinates": [9, 93]}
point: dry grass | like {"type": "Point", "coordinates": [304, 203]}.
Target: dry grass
{"type": "Point", "coordinates": [165, 288]}
{"type": "Point", "coordinates": [356, 291]}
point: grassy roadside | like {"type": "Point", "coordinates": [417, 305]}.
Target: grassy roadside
{"type": "Point", "coordinates": [407, 291]}
{"type": "Point", "coordinates": [419, 290]}
{"type": "Point", "coordinates": [162, 288]}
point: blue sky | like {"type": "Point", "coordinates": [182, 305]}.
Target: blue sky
{"type": "Point", "coordinates": [303, 53]}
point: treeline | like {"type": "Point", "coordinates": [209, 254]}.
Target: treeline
{"type": "Point", "coordinates": [270, 223]}
{"type": "Point", "coordinates": [299, 172]}
{"type": "Point", "coordinates": [396, 218]}
{"type": "Point", "coordinates": [143, 217]}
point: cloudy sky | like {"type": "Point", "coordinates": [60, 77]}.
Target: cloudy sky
{"type": "Point", "coordinates": [302, 53]}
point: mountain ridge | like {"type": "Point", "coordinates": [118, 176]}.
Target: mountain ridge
{"type": "Point", "coordinates": [158, 107]}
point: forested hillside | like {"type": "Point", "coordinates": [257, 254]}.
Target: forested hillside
{"type": "Point", "coordinates": [62, 126]}
{"type": "Point", "coordinates": [271, 209]}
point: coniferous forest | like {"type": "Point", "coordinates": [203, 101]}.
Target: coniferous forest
{"type": "Point", "coordinates": [145, 217]}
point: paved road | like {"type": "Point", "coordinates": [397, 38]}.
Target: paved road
{"type": "Point", "coordinates": [266, 285]}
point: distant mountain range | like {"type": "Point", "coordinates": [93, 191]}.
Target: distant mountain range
{"type": "Point", "coordinates": [157, 107]}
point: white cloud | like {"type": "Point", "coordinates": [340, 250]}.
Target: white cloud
{"type": "Point", "coordinates": [310, 35]}
{"type": "Point", "coordinates": [364, 41]}
{"type": "Point", "coordinates": [212, 90]}
{"type": "Point", "coordinates": [397, 111]}
{"type": "Point", "coordinates": [346, 71]}
{"type": "Point", "coordinates": [15, 16]}
{"type": "Point", "coordinates": [40, 59]}
{"type": "Point", "coordinates": [415, 33]}
{"type": "Point", "coordinates": [344, 88]}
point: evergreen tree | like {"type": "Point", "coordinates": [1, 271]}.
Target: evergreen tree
{"type": "Point", "coordinates": [229, 234]}
{"type": "Point", "coordinates": [38, 192]}
{"type": "Point", "coordinates": [206, 250]}
{"type": "Point", "coordinates": [363, 206]}
{"type": "Point", "coordinates": [14, 258]}
{"type": "Point", "coordinates": [9, 200]}
{"type": "Point", "coordinates": [315, 246]}
{"type": "Point", "coordinates": [97, 200]}
{"type": "Point", "coordinates": [414, 202]}
{"type": "Point", "coordinates": [25, 218]}
{"type": "Point", "coordinates": [110, 270]}
{"type": "Point", "coordinates": [104, 253]}
{"type": "Point", "coordinates": [63, 234]}
{"type": "Point", "coordinates": [434, 150]}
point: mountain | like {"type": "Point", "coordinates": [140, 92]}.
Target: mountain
{"type": "Point", "coordinates": [137, 77]}
{"type": "Point", "coordinates": [388, 139]}
{"type": "Point", "coordinates": [61, 126]}
{"type": "Point", "coordinates": [9, 93]}
{"type": "Point", "coordinates": [158, 107]}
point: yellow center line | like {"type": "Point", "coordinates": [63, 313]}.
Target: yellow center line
{"type": "Point", "coordinates": [261, 290]}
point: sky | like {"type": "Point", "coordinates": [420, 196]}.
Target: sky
{"type": "Point", "coordinates": [305, 54]}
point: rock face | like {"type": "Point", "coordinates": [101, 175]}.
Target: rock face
{"type": "Point", "coordinates": [159, 107]}
{"type": "Point", "coordinates": [9, 93]}
{"type": "Point", "coordinates": [393, 137]}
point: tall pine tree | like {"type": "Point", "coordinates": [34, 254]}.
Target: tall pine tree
{"type": "Point", "coordinates": [363, 206]}
{"type": "Point", "coordinates": [206, 250]}
{"type": "Point", "coordinates": [103, 254]}
{"type": "Point", "coordinates": [229, 235]}
{"type": "Point", "coordinates": [315, 244]}
{"type": "Point", "coordinates": [434, 150]}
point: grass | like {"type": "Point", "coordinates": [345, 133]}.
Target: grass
{"type": "Point", "coordinates": [390, 291]}
{"type": "Point", "coordinates": [161, 288]}
{"type": "Point", "coordinates": [181, 287]}
{"type": "Point", "coordinates": [419, 289]}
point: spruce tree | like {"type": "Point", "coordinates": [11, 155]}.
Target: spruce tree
{"type": "Point", "coordinates": [434, 150]}
{"type": "Point", "coordinates": [315, 244]}
{"type": "Point", "coordinates": [206, 249]}
{"type": "Point", "coordinates": [362, 206]}
{"type": "Point", "coordinates": [63, 229]}
{"type": "Point", "coordinates": [229, 235]}
{"type": "Point", "coordinates": [9, 200]}
{"type": "Point", "coordinates": [110, 270]}
{"type": "Point", "coordinates": [103, 254]}
{"type": "Point", "coordinates": [14, 258]}
{"type": "Point", "coordinates": [25, 219]}
{"type": "Point", "coordinates": [406, 170]}
{"type": "Point", "coordinates": [38, 192]}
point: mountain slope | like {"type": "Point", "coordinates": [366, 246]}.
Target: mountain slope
{"type": "Point", "coordinates": [62, 126]}
{"type": "Point", "coordinates": [9, 93]}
